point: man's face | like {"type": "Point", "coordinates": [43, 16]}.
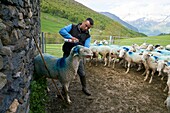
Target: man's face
{"type": "Point", "coordinates": [85, 25]}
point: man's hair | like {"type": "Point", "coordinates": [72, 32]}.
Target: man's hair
{"type": "Point", "coordinates": [90, 20]}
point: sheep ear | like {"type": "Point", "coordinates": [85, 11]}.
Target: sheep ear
{"type": "Point", "coordinates": [76, 51]}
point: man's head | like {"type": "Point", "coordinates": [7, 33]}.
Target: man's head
{"type": "Point", "coordinates": [87, 24]}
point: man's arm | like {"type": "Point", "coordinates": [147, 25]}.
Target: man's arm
{"type": "Point", "coordinates": [87, 42]}
{"type": "Point", "coordinates": [65, 32]}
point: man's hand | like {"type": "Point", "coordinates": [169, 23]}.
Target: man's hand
{"type": "Point", "coordinates": [74, 39]}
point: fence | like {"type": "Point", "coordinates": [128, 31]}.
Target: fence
{"type": "Point", "coordinates": [55, 39]}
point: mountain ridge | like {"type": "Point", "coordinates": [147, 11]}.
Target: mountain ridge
{"type": "Point", "coordinates": [116, 18]}
{"type": "Point", "coordinates": [152, 27]}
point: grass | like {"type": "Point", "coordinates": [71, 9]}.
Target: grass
{"type": "Point", "coordinates": [162, 40]}
{"type": "Point", "coordinates": [56, 49]}
{"type": "Point", "coordinates": [51, 23]}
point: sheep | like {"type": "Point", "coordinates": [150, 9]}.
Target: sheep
{"type": "Point", "coordinates": [104, 52]}
{"type": "Point", "coordinates": [64, 69]}
{"type": "Point", "coordinates": [167, 102]}
{"type": "Point", "coordinates": [167, 70]}
{"type": "Point", "coordinates": [143, 46]}
{"type": "Point", "coordinates": [150, 63]}
{"type": "Point", "coordinates": [161, 65]}
{"type": "Point", "coordinates": [164, 52]}
{"type": "Point", "coordinates": [162, 60]}
{"type": "Point", "coordinates": [167, 47]}
{"type": "Point", "coordinates": [150, 47]}
{"type": "Point", "coordinates": [95, 56]}
{"type": "Point", "coordinates": [131, 57]}
{"type": "Point", "coordinates": [114, 54]}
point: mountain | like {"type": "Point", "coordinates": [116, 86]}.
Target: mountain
{"type": "Point", "coordinates": [152, 27]}
{"type": "Point", "coordinates": [76, 12]}
{"type": "Point", "coordinates": [117, 19]}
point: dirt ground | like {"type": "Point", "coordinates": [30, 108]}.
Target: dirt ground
{"type": "Point", "coordinates": [113, 91]}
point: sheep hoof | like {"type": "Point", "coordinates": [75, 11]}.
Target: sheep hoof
{"type": "Point", "coordinates": [126, 72]}
{"type": "Point", "coordinates": [69, 102]}
{"type": "Point", "coordinates": [145, 79]}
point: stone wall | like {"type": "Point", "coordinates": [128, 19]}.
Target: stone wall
{"type": "Point", "coordinates": [19, 23]}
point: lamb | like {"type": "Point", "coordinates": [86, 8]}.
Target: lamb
{"type": "Point", "coordinates": [64, 69]}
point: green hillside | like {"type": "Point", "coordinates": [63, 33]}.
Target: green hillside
{"type": "Point", "coordinates": [58, 13]}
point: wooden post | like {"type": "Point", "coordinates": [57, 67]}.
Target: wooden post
{"type": "Point", "coordinates": [42, 40]}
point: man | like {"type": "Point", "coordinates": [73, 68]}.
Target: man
{"type": "Point", "coordinates": [77, 35]}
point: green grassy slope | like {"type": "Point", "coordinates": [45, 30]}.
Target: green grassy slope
{"type": "Point", "coordinates": [70, 11]}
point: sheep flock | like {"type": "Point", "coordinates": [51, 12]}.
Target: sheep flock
{"type": "Point", "coordinates": [148, 57]}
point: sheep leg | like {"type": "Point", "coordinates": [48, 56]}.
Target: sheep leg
{"type": "Point", "coordinates": [168, 84]}
{"type": "Point", "coordinates": [109, 61]}
{"type": "Point", "coordinates": [90, 62]}
{"type": "Point", "coordinates": [152, 76]}
{"type": "Point", "coordinates": [166, 88]}
{"type": "Point", "coordinates": [105, 60]}
{"type": "Point", "coordinates": [162, 78]}
{"type": "Point", "coordinates": [140, 67]}
{"type": "Point", "coordinates": [144, 73]}
{"type": "Point", "coordinates": [121, 62]}
{"type": "Point", "coordinates": [96, 59]}
{"type": "Point", "coordinates": [128, 68]}
{"type": "Point", "coordinates": [167, 103]}
{"type": "Point", "coordinates": [114, 63]}
{"type": "Point", "coordinates": [66, 93]}
{"type": "Point", "coordinates": [159, 74]}
{"type": "Point", "coordinates": [147, 74]}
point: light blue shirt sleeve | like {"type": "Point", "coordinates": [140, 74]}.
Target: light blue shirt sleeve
{"type": "Point", "coordinates": [65, 31]}
{"type": "Point", "coordinates": [87, 42]}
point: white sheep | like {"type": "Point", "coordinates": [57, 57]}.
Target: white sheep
{"type": "Point", "coordinates": [131, 57]}
{"type": "Point", "coordinates": [104, 51]}
{"type": "Point", "coordinates": [167, 70]}
{"type": "Point", "coordinates": [143, 46]}
{"type": "Point", "coordinates": [95, 56]}
{"type": "Point", "coordinates": [150, 63]}
{"type": "Point", "coordinates": [150, 47]}
{"type": "Point", "coordinates": [114, 54]}
{"type": "Point", "coordinates": [162, 60]}
{"type": "Point", "coordinates": [64, 69]}
{"type": "Point", "coordinates": [164, 52]}
{"type": "Point", "coordinates": [167, 47]}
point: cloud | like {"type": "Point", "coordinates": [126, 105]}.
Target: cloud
{"type": "Point", "coordinates": [131, 9]}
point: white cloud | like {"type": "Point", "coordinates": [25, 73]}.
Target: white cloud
{"type": "Point", "coordinates": [131, 9]}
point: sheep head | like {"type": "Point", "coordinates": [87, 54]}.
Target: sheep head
{"type": "Point", "coordinates": [81, 51]}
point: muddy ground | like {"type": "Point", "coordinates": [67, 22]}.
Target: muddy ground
{"type": "Point", "coordinates": [113, 91]}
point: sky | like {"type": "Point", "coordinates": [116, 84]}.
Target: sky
{"type": "Point", "coordinates": [129, 10]}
